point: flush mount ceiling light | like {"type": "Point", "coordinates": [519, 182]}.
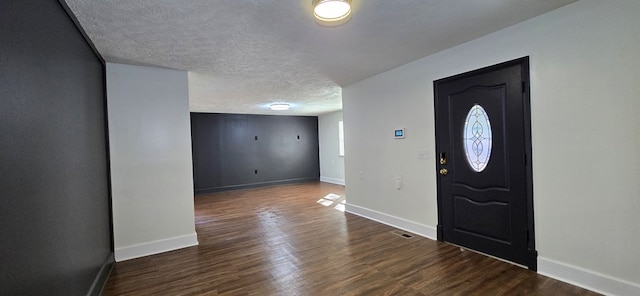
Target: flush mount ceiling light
{"type": "Point", "coordinates": [279, 107]}
{"type": "Point", "coordinates": [331, 12]}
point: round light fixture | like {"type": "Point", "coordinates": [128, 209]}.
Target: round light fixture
{"type": "Point", "coordinates": [331, 12]}
{"type": "Point", "coordinates": [279, 107]}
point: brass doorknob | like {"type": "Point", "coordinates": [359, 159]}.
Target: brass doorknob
{"type": "Point", "coordinates": [444, 171]}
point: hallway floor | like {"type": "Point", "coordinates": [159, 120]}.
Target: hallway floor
{"type": "Point", "coordinates": [295, 240]}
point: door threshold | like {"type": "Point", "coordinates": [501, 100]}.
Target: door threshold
{"type": "Point", "coordinates": [485, 254]}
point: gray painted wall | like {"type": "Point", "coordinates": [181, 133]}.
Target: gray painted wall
{"type": "Point", "coordinates": [54, 196]}
{"type": "Point", "coordinates": [226, 154]}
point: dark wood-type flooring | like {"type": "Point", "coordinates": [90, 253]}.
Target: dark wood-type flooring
{"type": "Point", "coordinates": [281, 241]}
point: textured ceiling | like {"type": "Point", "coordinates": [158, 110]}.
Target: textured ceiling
{"type": "Point", "coordinates": [243, 55]}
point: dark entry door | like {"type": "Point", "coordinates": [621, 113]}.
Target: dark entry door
{"type": "Point", "coordinates": [484, 153]}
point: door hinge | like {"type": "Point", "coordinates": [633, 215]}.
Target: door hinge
{"type": "Point", "coordinates": [523, 86]}
{"type": "Point", "coordinates": [528, 236]}
{"type": "Point", "coordinates": [524, 159]}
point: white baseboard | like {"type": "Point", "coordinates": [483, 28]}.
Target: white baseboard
{"type": "Point", "coordinates": [576, 276]}
{"type": "Point", "coordinates": [587, 279]}
{"type": "Point", "coordinates": [155, 247]}
{"type": "Point", "coordinates": [332, 180]}
{"type": "Point", "coordinates": [400, 223]}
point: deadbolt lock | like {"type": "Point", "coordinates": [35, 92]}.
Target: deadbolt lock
{"type": "Point", "coordinates": [444, 171]}
{"type": "Point", "coordinates": [443, 158]}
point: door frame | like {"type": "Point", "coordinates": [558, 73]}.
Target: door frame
{"type": "Point", "coordinates": [532, 254]}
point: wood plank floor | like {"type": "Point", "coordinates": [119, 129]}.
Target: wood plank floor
{"type": "Point", "coordinates": [281, 241]}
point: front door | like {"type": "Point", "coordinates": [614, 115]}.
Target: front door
{"type": "Point", "coordinates": [483, 142]}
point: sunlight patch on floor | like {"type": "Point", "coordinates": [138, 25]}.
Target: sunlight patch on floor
{"type": "Point", "coordinates": [331, 199]}
{"type": "Point", "coordinates": [331, 196]}
{"type": "Point", "coordinates": [325, 202]}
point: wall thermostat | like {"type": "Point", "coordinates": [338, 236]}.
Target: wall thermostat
{"type": "Point", "coordinates": [399, 133]}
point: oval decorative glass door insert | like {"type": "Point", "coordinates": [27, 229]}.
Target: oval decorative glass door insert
{"type": "Point", "coordinates": [477, 138]}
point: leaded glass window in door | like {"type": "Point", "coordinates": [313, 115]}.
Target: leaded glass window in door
{"type": "Point", "coordinates": [477, 138]}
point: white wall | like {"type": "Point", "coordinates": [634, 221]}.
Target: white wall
{"type": "Point", "coordinates": [585, 100]}
{"type": "Point", "coordinates": [331, 163]}
{"type": "Point", "coordinates": [151, 169]}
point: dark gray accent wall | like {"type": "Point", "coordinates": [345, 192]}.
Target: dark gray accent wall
{"type": "Point", "coordinates": [234, 151]}
{"type": "Point", "coordinates": [54, 188]}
